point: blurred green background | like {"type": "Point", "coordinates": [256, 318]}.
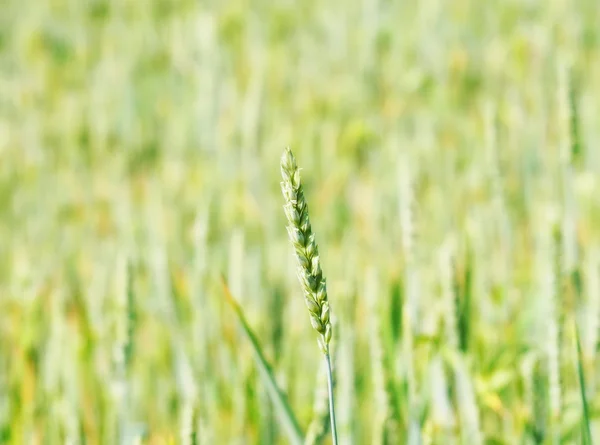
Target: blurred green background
{"type": "Point", "coordinates": [450, 162]}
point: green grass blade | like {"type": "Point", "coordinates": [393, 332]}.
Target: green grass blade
{"type": "Point", "coordinates": [585, 425]}
{"type": "Point", "coordinates": [283, 409]}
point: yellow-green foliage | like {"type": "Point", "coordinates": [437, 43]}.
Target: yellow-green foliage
{"type": "Point", "coordinates": [450, 155]}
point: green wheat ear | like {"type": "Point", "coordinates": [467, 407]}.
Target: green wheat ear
{"type": "Point", "coordinates": [306, 250]}
{"type": "Point", "coordinates": [309, 266]}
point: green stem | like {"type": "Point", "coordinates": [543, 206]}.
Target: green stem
{"type": "Point", "coordinates": [331, 404]}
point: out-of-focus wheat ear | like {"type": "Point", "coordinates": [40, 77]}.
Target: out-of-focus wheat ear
{"type": "Point", "coordinates": [189, 415]}
{"type": "Point", "coordinates": [463, 282]}
{"type": "Point", "coordinates": [577, 154]}
{"type": "Point", "coordinates": [544, 374]}
{"type": "Point", "coordinates": [405, 205]}
{"type": "Point", "coordinates": [539, 379]}
{"type": "Point", "coordinates": [495, 170]}
{"type": "Point", "coordinates": [71, 418]}
{"type": "Point", "coordinates": [396, 292]}
{"type": "Point", "coordinates": [449, 301]}
{"type": "Point", "coordinates": [380, 411]}
{"type": "Point", "coordinates": [568, 246]}
{"type": "Point", "coordinates": [467, 404]}
{"type": "Point", "coordinates": [203, 324]}
{"type": "Point", "coordinates": [187, 391]}
{"type": "Point", "coordinates": [550, 279]}
{"type": "Point", "coordinates": [586, 432]}
{"type": "Point", "coordinates": [189, 426]}
{"type": "Point", "coordinates": [405, 358]}
{"type": "Point", "coordinates": [87, 346]}
{"type": "Point", "coordinates": [124, 325]}
{"type": "Point", "coordinates": [408, 365]}
{"type": "Point", "coordinates": [564, 111]}
{"type": "Point", "coordinates": [568, 109]}
{"type": "Point", "coordinates": [414, 435]}
{"type": "Point", "coordinates": [442, 417]}
{"type": "Point", "coordinates": [125, 309]}
{"type": "Point", "coordinates": [386, 428]}
{"type": "Point", "coordinates": [570, 276]}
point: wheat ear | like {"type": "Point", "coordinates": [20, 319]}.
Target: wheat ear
{"type": "Point", "coordinates": [309, 264]}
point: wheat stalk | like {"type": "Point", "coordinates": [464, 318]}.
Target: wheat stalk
{"type": "Point", "coordinates": [309, 264]}
{"type": "Point", "coordinates": [319, 425]}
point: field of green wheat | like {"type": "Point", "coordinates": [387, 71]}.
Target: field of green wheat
{"type": "Point", "coordinates": [450, 157]}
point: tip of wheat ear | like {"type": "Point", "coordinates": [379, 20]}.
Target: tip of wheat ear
{"type": "Point", "coordinates": [306, 250]}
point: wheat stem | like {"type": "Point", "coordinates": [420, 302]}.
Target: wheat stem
{"type": "Point", "coordinates": [331, 402]}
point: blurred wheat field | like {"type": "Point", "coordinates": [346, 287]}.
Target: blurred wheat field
{"type": "Point", "coordinates": [449, 153]}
